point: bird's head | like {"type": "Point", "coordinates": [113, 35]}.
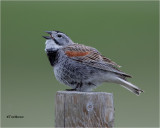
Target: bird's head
{"type": "Point", "coordinates": [56, 40]}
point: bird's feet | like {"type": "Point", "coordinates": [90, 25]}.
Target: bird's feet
{"type": "Point", "coordinates": [70, 89]}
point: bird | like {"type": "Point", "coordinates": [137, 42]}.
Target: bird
{"type": "Point", "coordinates": [82, 67]}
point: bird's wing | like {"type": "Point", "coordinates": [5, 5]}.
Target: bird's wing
{"type": "Point", "coordinates": [91, 57]}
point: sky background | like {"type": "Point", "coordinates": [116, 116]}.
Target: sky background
{"type": "Point", "coordinates": [126, 32]}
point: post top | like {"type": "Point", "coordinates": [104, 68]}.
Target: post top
{"type": "Point", "coordinates": [84, 93]}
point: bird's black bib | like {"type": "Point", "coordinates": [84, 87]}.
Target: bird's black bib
{"type": "Point", "coordinates": [52, 56]}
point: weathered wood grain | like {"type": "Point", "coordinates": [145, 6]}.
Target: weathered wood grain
{"type": "Point", "coordinates": [84, 109]}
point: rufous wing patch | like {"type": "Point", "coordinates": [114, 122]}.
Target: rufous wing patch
{"type": "Point", "coordinates": [76, 53]}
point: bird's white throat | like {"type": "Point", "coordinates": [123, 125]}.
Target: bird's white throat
{"type": "Point", "coordinates": [50, 44]}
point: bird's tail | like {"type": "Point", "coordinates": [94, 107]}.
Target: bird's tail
{"type": "Point", "coordinates": [134, 89]}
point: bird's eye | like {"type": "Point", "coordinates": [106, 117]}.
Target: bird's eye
{"type": "Point", "coordinates": [59, 35]}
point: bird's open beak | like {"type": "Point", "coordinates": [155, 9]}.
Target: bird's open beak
{"type": "Point", "coordinates": [48, 37]}
{"type": "Point", "coordinates": [49, 32]}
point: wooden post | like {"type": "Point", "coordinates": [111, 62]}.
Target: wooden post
{"type": "Point", "coordinates": [84, 109]}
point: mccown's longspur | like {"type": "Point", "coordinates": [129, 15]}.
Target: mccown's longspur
{"type": "Point", "coordinates": [82, 67]}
